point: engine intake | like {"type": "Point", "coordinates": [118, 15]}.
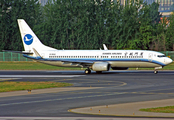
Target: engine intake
{"type": "Point", "coordinates": [101, 66]}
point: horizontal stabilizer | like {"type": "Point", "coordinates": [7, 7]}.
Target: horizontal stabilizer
{"type": "Point", "coordinates": [21, 52]}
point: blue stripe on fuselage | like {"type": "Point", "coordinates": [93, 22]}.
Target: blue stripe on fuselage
{"type": "Point", "coordinates": [95, 60]}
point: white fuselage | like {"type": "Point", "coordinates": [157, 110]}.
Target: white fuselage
{"type": "Point", "coordinates": [116, 58]}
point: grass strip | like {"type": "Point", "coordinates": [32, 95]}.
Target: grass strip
{"type": "Point", "coordinates": [31, 66]}
{"type": "Point", "coordinates": [40, 66]}
{"type": "Point", "coordinates": [167, 109]}
{"type": "Point", "coordinates": [16, 86]}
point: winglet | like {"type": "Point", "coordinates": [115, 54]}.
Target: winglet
{"type": "Point", "coordinates": [104, 46]}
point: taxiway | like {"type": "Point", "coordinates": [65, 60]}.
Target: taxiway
{"type": "Point", "coordinates": [101, 89]}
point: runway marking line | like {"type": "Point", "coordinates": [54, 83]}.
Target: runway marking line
{"type": "Point", "coordinates": [38, 76]}
{"type": "Point", "coordinates": [102, 82]}
{"type": "Point", "coordinates": [162, 89]}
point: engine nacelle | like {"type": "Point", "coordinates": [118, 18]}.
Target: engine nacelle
{"type": "Point", "coordinates": [101, 66]}
{"type": "Point", "coordinates": [120, 68]}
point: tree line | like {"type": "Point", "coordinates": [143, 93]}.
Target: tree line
{"type": "Point", "coordinates": [87, 24]}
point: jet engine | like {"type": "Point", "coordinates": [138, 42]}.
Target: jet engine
{"type": "Point", "coordinates": [101, 66]}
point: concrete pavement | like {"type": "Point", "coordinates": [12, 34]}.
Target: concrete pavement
{"type": "Point", "coordinates": [128, 109]}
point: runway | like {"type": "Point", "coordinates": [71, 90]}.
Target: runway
{"type": "Point", "coordinates": [113, 87]}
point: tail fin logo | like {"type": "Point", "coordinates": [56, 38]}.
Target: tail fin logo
{"type": "Point", "coordinates": [28, 39]}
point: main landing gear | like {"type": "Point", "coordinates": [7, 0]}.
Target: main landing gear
{"type": "Point", "coordinates": [155, 71]}
{"type": "Point", "coordinates": [87, 71]}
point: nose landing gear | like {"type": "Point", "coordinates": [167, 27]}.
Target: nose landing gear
{"type": "Point", "coordinates": [156, 69]}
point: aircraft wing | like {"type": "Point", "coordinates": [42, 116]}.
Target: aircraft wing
{"type": "Point", "coordinates": [73, 62]}
{"type": "Point", "coordinates": [21, 52]}
{"type": "Point", "coordinates": [83, 63]}
{"type": "Point", "coordinates": [78, 61]}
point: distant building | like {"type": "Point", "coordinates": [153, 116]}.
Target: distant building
{"type": "Point", "coordinates": [165, 6]}
{"type": "Point", "coordinates": [43, 2]}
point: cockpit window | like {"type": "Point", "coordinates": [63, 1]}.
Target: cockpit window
{"type": "Point", "coordinates": [161, 56]}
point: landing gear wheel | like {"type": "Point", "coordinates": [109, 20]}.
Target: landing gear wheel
{"type": "Point", "coordinates": [87, 71]}
{"type": "Point", "coordinates": [155, 71]}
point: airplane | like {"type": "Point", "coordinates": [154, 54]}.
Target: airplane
{"type": "Point", "coordinates": [96, 60]}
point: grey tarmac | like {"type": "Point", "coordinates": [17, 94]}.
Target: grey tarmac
{"type": "Point", "coordinates": [129, 109]}
{"type": "Point", "coordinates": [76, 118]}
{"type": "Point", "coordinates": [109, 88]}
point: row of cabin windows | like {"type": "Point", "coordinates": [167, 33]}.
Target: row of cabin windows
{"type": "Point", "coordinates": [95, 56]}
{"type": "Point", "coordinates": [73, 56]}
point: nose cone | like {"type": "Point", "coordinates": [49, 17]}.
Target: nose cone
{"type": "Point", "coordinates": [168, 61]}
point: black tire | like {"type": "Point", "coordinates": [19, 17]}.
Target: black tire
{"type": "Point", "coordinates": [87, 71]}
{"type": "Point", "coordinates": [155, 72]}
